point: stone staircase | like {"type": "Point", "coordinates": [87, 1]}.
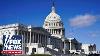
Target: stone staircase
{"type": "Point", "coordinates": [53, 52]}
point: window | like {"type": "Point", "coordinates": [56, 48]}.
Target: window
{"type": "Point", "coordinates": [54, 17]}
{"type": "Point", "coordinates": [33, 50]}
{"type": "Point", "coordinates": [54, 24]}
{"type": "Point", "coordinates": [59, 24]}
{"type": "Point", "coordinates": [49, 24]}
{"type": "Point", "coordinates": [9, 32]}
{"type": "Point", "coordinates": [45, 24]}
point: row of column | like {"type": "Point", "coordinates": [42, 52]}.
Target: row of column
{"type": "Point", "coordinates": [38, 38]}
{"type": "Point", "coordinates": [55, 31]}
{"type": "Point", "coordinates": [32, 37]}
{"type": "Point", "coordinates": [58, 43]}
{"type": "Point", "coordinates": [25, 34]}
{"type": "Point", "coordinates": [53, 24]}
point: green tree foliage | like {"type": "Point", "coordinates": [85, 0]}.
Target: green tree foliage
{"type": "Point", "coordinates": [40, 55]}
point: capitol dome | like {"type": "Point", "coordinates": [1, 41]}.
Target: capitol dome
{"type": "Point", "coordinates": [53, 24]}
{"type": "Point", "coordinates": [53, 16]}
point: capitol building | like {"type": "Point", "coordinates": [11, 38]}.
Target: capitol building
{"type": "Point", "coordinates": [49, 39]}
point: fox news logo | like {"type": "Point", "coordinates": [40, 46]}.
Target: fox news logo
{"type": "Point", "coordinates": [12, 44]}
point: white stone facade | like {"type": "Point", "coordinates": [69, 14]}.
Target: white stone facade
{"type": "Point", "coordinates": [73, 46]}
{"type": "Point", "coordinates": [89, 48]}
{"type": "Point", "coordinates": [7, 30]}
{"type": "Point", "coordinates": [35, 38]}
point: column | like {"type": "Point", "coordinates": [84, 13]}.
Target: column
{"type": "Point", "coordinates": [27, 37]}
{"type": "Point", "coordinates": [64, 46]}
{"type": "Point", "coordinates": [33, 38]}
{"type": "Point", "coordinates": [70, 44]}
{"type": "Point", "coordinates": [38, 38]}
{"type": "Point", "coordinates": [57, 31]}
{"type": "Point", "coordinates": [41, 38]}
{"type": "Point", "coordinates": [50, 30]}
{"type": "Point", "coordinates": [53, 31]}
{"type": "Point", "coordinates": [45, 40]}
{"type": "Point", "coordinates": [24, 37]}
{"type": "Point", "coordinates": [24, 42]}
{"type": "Point", "coordinates": [49, 40]}
{"type": "Point", "coordinates": [17, 31]}
{"type": "Point", "coordinates": [61, 32]}
{"type": "Point", "coordinates": [30, 37]}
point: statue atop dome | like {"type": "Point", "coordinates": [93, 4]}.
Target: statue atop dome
{"type": "Point", "coordinates": [53, 6]}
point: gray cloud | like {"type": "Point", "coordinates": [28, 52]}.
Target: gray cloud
{"type": "Point", "coordinates": [83, 20]}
